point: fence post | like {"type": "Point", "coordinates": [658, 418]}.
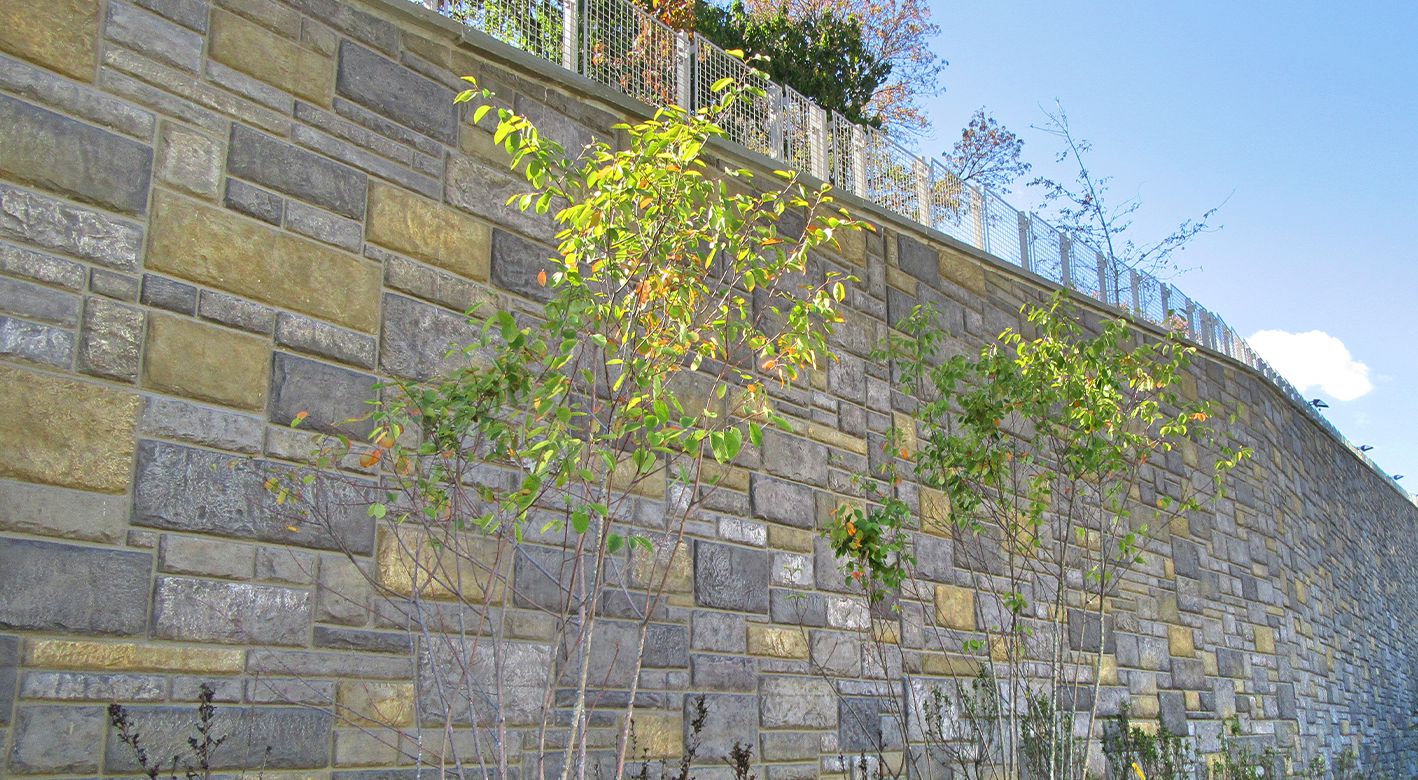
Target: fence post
{"type": "Point", "coordinates": [977, 210]}
{"type": "Point", "coordinates": [684, 70]}
{"type": "Point", "coordinates": [859, 161]}
{"type": "Point", "coordinates": [570, 26]}
{"type": "Point", "coordinates": [817, 141]}
{"type": "Point", "coordinates": [1103, 280]}
{"type": "Point", "coordinates": [922, 175]}
{"type": "Point", "coordinates": [1024, 260]}
{"type": "Point", "coordinates": [777, 104]}
{"type": "Point", "coordinates": [1136, 294]}
{"type": "Point", "coordinates": [1065, 273]}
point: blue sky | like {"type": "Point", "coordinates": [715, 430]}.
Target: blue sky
{"type": "Point", "coordinates": [1303, 114]}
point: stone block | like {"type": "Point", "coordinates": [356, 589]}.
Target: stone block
{"type": "Point", "coordinates": [254, 201]}
{"type": "Point", "coordinates": [1186, 558]}
{"type": "Point", "coordinates": [1172, 711]}
{"type": "Point", "coordinates": [40, 267]}
{"type": "Point", "coordinates": [190, 161]}
{"type": "Point", "coordinates": [390, 89]}
{"type": "Point", "coordinates": [336, 399]}
{"type": "Point", "coordinates": [437, 567]}
{"type": "Point", "coordinates": [963, 270]}
{"type": "Point", "coordinates": [236, 312]}
{"type": "Point", "coordinates": [66, 433]}
{"type": "Point", "coordinates": [321, 225]}
{"type": "Point", "coordinates": [729, 577]}
{"type": "Point", "coordinates": [1188, 674]}
{"type": "Point", "coordinates": [917, 258]}
{"type": "Point", "coordinates": [658, 734]}
{"type": "Point", "coordinates": [431, 284]}
{"type": "Point", "coordinates": [163, 293]}
{"type": "Point", "coordinates": [729, 718]}
{"type": "Point", "coordinates": [429, 231]}
{"type": "Point", "coordinates": [723, 672]}
{"type": "Point", "coordinates": [955, 607]}
{"type": "Point", "coordinates": [336, 638]}
{"type": "Point", "coordinates": [53, 739]}
{"type": "Point", "coordinates": [211, 246]}
{"type": "Point", "coordinates": [105, 591]}
{"type": "Point", "coordinates": [191, 14]}
{"type": "Point", "coordinates": [61, 35]}
{"type": "Point", "coordinates": [45, 510]}
{"type": "Point", "coordinates": [1230, 663]}
{"type": "Point", "coordinates": [39, 303]}
{"type": "Point", "coordinates": [483, 190]}
{"type": "Point", "coordinates": [205, 362]}
{"type": "Point", "coordinates": [85, 234]}
{"type": "Point", "coordinates": [278, 61]}
{"type": "Point", "coordinates": [87, 686]}
{"type": "Point", "coordinates": [173, 418]}
{"type": "Point", "coordinates": [275, 164]}
{"type": "Point", "coordinates": [109, 343]}
{"type": "Point", "coordinates": [185, 489]}
{"type": "Point", "coordinates": [797, 702]}
{"type": "Point", "coordinates": [777, 641]}
{"type": "Point", "coordinates": [859, 725]}
{"type": "Point", "coordinates": [86, 654]}
{"type": "Point", "coordinates": [524, 676]}
{"type": "Point", "coordinates": [297, 737]}
{"type": "Point", "coordinates": [794, 458]}
{"type": "Point", "coordinates": [1265, 639]}
{"type": "Point", "coordinates": [111, 284]}
{"type": "Point", "coordinates": [230, 612]}
{"type": "Point", "coordinates": [518, 263]}
{"type": "Point", "coordinates": [154, 37]}
{"type": "Point", "coordinates": [416, 339]}
{"type": "Point", "coordinates": [1181, 642]}
{"type": "Point", "coordinates": [45, 345]}
{"type": "Point", "coordinates": [62, 155]}
{"type": "Point", "coordinates": [783, 502]}
{"type": "Point", "coordinates": [376, 704]}
{"type": "Point", "coordinates": [206, 557]}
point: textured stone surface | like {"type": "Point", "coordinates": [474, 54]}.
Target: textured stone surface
{"type": "Point", "coordinates": [205, 362]}
{"type": "Point", "coordinates": [61, 36]}
{"type": "Point", "coordinates": [153, 36]}
{"type": "Point", "coordinates": [252, 49]}
{"type": "Point", "coordinates": [783, 502]}
{"type": "Point", "coordinates": [275, 164]}
{"type": "Point", "coordinates": [131, 657]}
{"type": "Point", "coordinates": [336, 399]}
{"type": "Point", "coordinates": [50, 739]}
{"type": "Point", "coordinates": [797, 702]}
{"type": "Point", "coordinates": [109, 344]}
{"type": "Point", "coordinates": [55, 153]}
{"type": "Point", "coordinates": [298, 737]}
{"type": "Point", "coordinates": [254, 201]}
{"type": "Point", "coordinates": [36, 343]}
{"type": "Point", "coordinates": [186, 489]}
{"type": "Point", "coordinates": [230, 612]}
{"type": "Point", "coordinates": [416, 338]}
{"type": "Point", "coordinates": [172, 418]}
{"type": "Point", "coordinates": [794, 458]}
{"type": "Point", "coordinates": [428, 231]}
{"type": "Point", "coordinates": [64, 432]}
{"type": "Point", "coordinates": [318, 338]}
{"type": "Point", "coordinates": [45, 510]}
{"type": "Point", "coordinates": [190, 161]}
{"type": "Point", "coordinates": [35, 302]}
{"type": "Point", "coordinates": [71, 230]}
{"type": "Point", "coordinates": [105, 591]}
{"type": "Point", "coordinates": [730, 577]}
{"type": "Point", "coordinates": [214, 247]}
{"type": "Point", "coordinates": [518, 263]}
{"type": "Point", "coordinates": [917, 259]}
{"type": "Point", "coordinates": [164, 293]}
{"type": "Point", "coordinates": [402, 95]}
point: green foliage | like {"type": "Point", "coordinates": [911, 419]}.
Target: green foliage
{"type": "Point", "coordinates": [1130, 749]}
{"type": "Point", "coordinates": [821, 53]}
{"type": "Point", "coordinates": [873, 545]}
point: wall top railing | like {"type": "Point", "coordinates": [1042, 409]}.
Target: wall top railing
{"type": "Point", "coordinates": [618, 44]}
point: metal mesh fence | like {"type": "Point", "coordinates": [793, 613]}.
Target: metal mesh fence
{"type": "Point", "coordinates": [616, 43]}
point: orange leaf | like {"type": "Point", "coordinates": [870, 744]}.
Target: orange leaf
{"type": "Point", "coordinates": [371, 458]}
{"type": "Point", "coordinates": [301, 416]}
{"type": "Point", "coordinates": [542, 277]}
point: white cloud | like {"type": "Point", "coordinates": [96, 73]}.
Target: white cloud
{"type": "Point", "coordinates": [1314, 359]}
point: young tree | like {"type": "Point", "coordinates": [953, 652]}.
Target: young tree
{"type": "Point", "coordinates": [988, 154]}
{"type": "Point", "coordinates": [1083, 209]}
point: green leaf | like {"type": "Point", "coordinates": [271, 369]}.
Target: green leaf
{"type": "Point", "coordinates": [755, 434]}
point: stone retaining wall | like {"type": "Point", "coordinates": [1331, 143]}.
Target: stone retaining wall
{"type": "Point", "coordinates": [215, 215]}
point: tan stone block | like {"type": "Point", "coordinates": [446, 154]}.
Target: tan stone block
{"type": "Point", "coordinates": [886, 631]}
{"type": "Point", "coordinates": [280, 62]}
{"type": "Point", "coordinates": [1108, 670]}
{"type": "Point", "coordinates": [362, 747]}
{"type": "Point", "coordinates": [424, 229]}
{"type": "Point", "coordinates": [724, 476]}
{"type": "Point", "coordinates": [1208, 663]}
{"type": "Point", "coordinates": [782, 537]}
{"type": "Point", "coordinates": [935, 512]}
{"type": "Point", "coordinates": [89, 655]}
{"type": "Point", "coordinates": [1145, 707]}
{"type": "Point", "coordinates": [658, 734]}
{"type": "Point", "coordinates": [63, 432]}
{"type": "Point", "coordinates": [852, 244]}
{"type": "Point", "coordinates": [906, 438]}
{"type": "Point", "coordinates": [776, 641]}
{"type": "Point", "coordinates": [215, 247]}
{"type": "Point", "coordinates": [376, 703]}
{"type": "Point", "coordinates": [1167, 608]}
{"type": "Point", "coordinates": [1265, 639]}
{"type": "Point", "coordinates": [204, 361]}
{"type": "Point", "coordinates": [627, 478]}
{"type": "Point", "coordinates": [947, 665]}
{"type": "Point", "coordinates": [1180, 641]}
{"type": "Point", "coordinates": [964, 271]}
{"type": "Point", "coordinates": [900, 279]}
{"type": "Point", "coordinates": [955, 607]}
{"type": "Point", "coordinates": [458, 567]}
{"type": "Point", "coordinates": [61, 35]}
{"type": "Point", "coordinates": [648, 568]}
{"type": "Point", "coordinates": [835, 438]}
{"type": "Point", "coordinates": [1193, 700]}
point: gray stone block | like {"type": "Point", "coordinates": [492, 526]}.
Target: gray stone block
{"type": "Point", "coordinates": [723, 673]}
{"type": "Point", "coordinates": [335, 398]}
{"type": "Point", "coordinates": [105, 591]}
{"type": "Point", "coordinates": [236, 312]}
{"type": "Point", "coordinates": [38, 303]}
{"type": "Point", "coordinates": [204, 556]}
{"type": "Point", "coordinates": [795, 607]}
{"type": "Point", "coordinates": [254, 201]}
{"type": "Point", "coordinates": [797, 702]}
{"type": "Point", "coordinates": [918, 259]}
{"type": "Point", "coordinates": [185, 489]}
{"type": "Point", "coordinates": [468, 674]}
{"type": "Point", "coordinates": [93, 686]}
{"type": "Point", "coordinates": [188, 13]}
{"type": "Point", "coordinates": [1188, 674]}
{"type": "Point", "coordinates": [416, 338]}
{"type": "Point", "coordinates": [516, 262]}
{"type": "Point", "coordinates": [729, 577]}
{"type": "Point", "coordinates": [791, 457]}
{"type": "Point", "coordinates": [730, 718]}
{"type": "Point", "coordinates": [115, 285]}
{"type": "Point", "coordinates": [859, 725]}
{"type": "Point", "coordinates": [47, 510]}
{"type": "Point", "coordinates": [298, 737]}
{"type": "Point", "coordinates": [111, 340]}
{"type": "Point", "coordinates": [191, 161]}
{"type": "Point", "coordinates": [783, 502]}
{"type": "Point", "coordinates": [40, 267]}
{"type": "Point", "coordinates": [43, 344]}
{"type": "Point", "coordinates": [320, 338]}
{"type": "Point", "coordinates": [43, 86]}
{"type": "Point", "coordinates": [1186, 557]}
{"type": "Point", "coordinates": [335, 638]}
{"type": "Point", "coordinates": [83, 233]}
{"type": "Point", "coordinates": [232, 612]}
{"type": "Point", "coordinates": [1174, 711]}
{"type": "Point", "coordinates": [388, 88]}
{"type": "Point", "coordinates": [483, 190]}
{"type": "Point", "coordinates": [431, 284]}
{"type": "Point", "coordinates": [153, 36]}
{"type": "Point", "coordinates": [718, 631]}
{"type": "Point", "coordinates": [164, 293]}
{"type": "Point", "coordinates": [38, 147]}
{"type": "Point", "coordinates": [50, 739]}
{"type": "Point", "coordinates": [352, 155]}
{"type": "Point", "coordinates": [273, 163]}
{"type": "Point", "coordinates": [315, 663]}
{"type": "Point", "coordinates": [1286, 705]}
{"type": "Point", "coordinates": [173, 418]}
{"type": "Point", "coordinates": [323, 226]}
